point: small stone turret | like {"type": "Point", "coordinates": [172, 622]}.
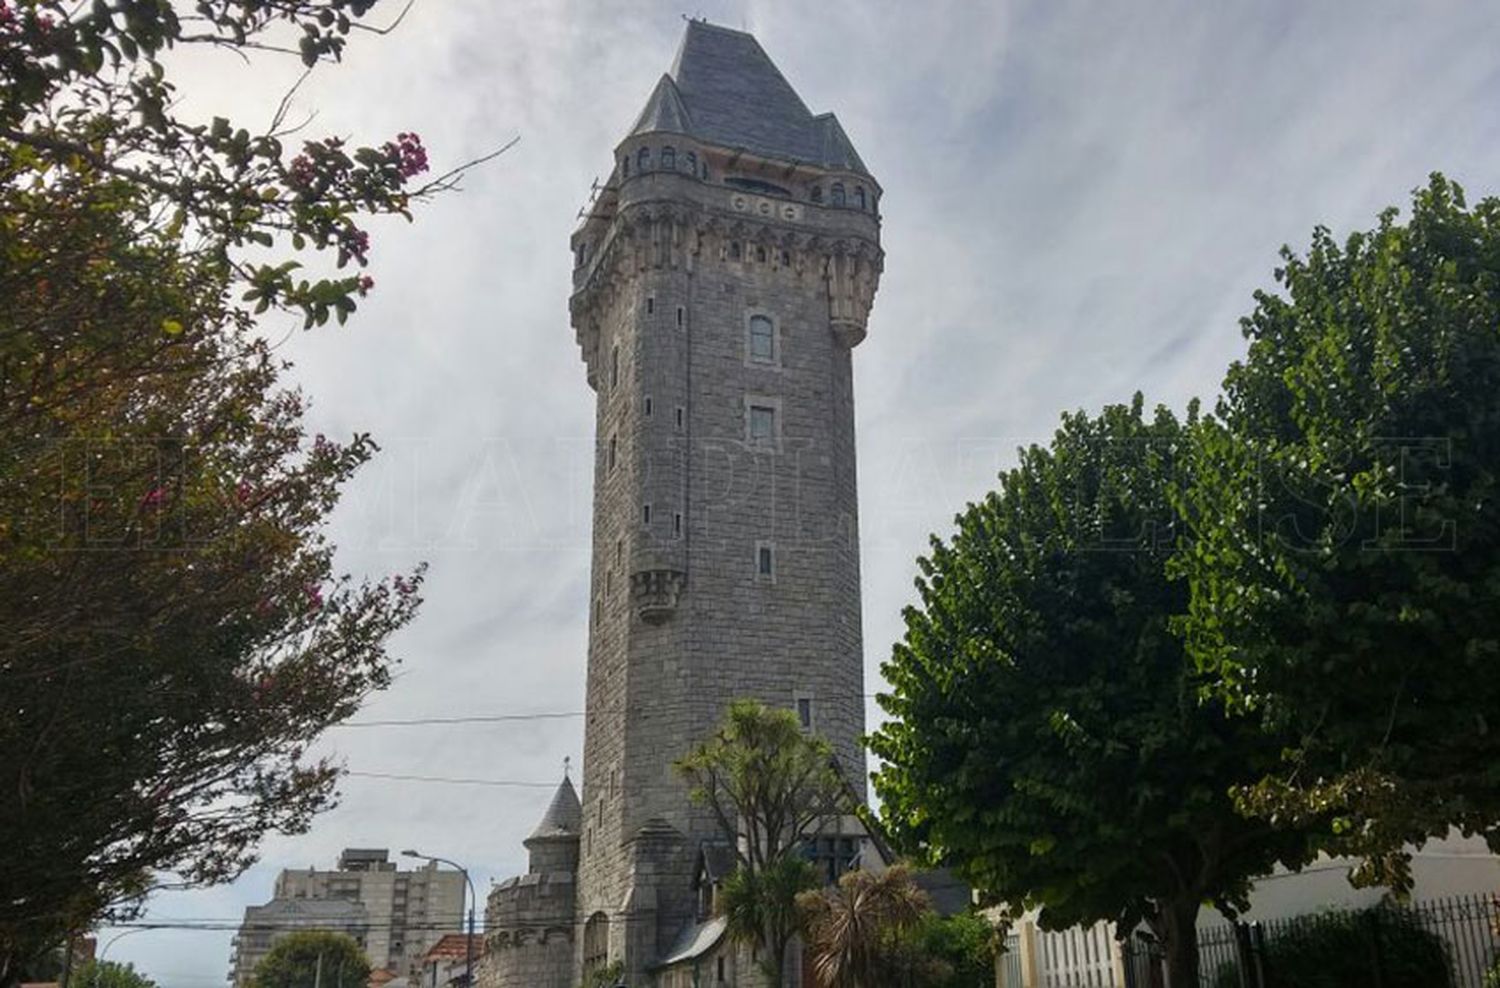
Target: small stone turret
{"type": "Point", "coordinates": [529, 920]}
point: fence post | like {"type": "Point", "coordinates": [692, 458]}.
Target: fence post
{"type": "Point", "coordinates": [1026, 935]}
{"type": "Point", "coordinates": [1258, 953]}
{"type": "Point", "coordinates": [1117, 960]}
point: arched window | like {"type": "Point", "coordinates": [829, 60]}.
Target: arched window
{"type": "Point", "coordinates": [692, 163]}
{"type": "Point", "coordinates": [838, 193]}
{"type": "Point", "coordinates": [734, 249]}
{"type": "Point", "coordinates": [595, 942]}
{"type": "Point", "coordinates": [669, 159]}
{"type": "Point", "coordinates": [762, 343]}
{"type": "Point", "coordinates": [817, 193]}
{"type": "Point", "coordinates": [859, 196]}
{"type": "Point", "coordinates": [760, 254]}
{"type": "Point", "coordinates": [643, 159]}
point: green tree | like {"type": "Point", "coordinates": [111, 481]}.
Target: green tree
{"type": "Point", "coordinates": [1047, 740]}
{"type": "Point", "coordinates": [108, 974]}
{"type": "Point", "coordinates": [176, 634]}
{"type": "Point", "coordinates": [1345, 559]}
{"type": "Point", "coordinates": [963, 945]}
{"type": "Point", "coordinates": [770, 786]}
{"type": "Point", "coordinates": [859, 931]}
{"type": "Point", "coordinates": [304, 960]}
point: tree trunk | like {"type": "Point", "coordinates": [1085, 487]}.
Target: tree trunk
{"type": "Point", "coordinates": [1179, 931]}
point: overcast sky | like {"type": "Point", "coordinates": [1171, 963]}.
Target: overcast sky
{"type": "Point", "coordinates": [1079, 200]}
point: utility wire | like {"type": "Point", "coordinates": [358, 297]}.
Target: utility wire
{"type": "Point", "coordinates": [523, 717]}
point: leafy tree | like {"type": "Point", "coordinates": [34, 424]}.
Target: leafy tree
{"type": "Point", "coordinates": [770, 787]}
{"type": "Point", "coordinates": [1345, 562]}
{"type": "Point", "coordinates": [176, 635]}
{"type": "Point", "coordinates": [859, 931]}
{"type": "Point", "coordinates": [963, 945]}
{"type": "Point", "coordinates": [1047, 739]}
{"type": "Point", "coordinates": [604, 976]}
{"type": "Point", "coordinates": [108, 974]}
{"type": "Point", "coordinates": [303, 960]}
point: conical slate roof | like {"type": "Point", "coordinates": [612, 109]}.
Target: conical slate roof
{"type": "Point", "coordinates": [564, 817]}
{"type": "Point", "coordinates": [724, 89]}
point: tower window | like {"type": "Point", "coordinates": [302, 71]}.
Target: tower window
{"type": "Point", "coordinates": [625, 167]}
{"type": "Point", "coordinates": [786, 258]}
{"type": "Point", "coordinates": [650, 304]}
{"type": "Point", "coordinates": [692, 163]}
{"type": "Point", "coordinates": [643, 159]}
{"type": "Point", "coordinates": [734, 250]}
{"type": "Point", "coordinates": [762, 338]}
{"type": "Point", "coordinates": [721, 970]}
{"type": "Point", "coordinates": [762, 423]}
{"type": "Point", "coordinates": [838, 193]}
{"type": "Point", "coordinates": [619, 551]}
{"type": "Point", "coordinates": [669, 158]}
{"type": "Point", "coordinates": [817, 191]}
{"type": "Point", "coordinates": [681, 316]}
{"type": "Point", "coordinates": [645, 514]}
{"type": "Point", "coordinates": [677, 524]}
{"type": "Point", "coordinates": [859, 196]}
{"type": "Point", "coordinates": [648, 406]}
{"type": "Point", "coordinates": [681, 417]}
{"type": "Point", "coordinates": [613, 449]}
{"type": "Point", "coordinates": [614, 367]}
{"type": "Point", "coordinates": [805, 712]}
{"type": "Point", "coordinates": [765, 561]}
{"type": "Point", "coordinates": [760, 254]}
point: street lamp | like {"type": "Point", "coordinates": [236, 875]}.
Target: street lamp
{"type": "Point", "coordinates": [473, 898]}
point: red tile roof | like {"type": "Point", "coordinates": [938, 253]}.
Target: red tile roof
{"type": "Point", "coordinates": [450, 946]}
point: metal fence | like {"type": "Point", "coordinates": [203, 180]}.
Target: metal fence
{"type": "Point", "coordinates": [1388, 946]}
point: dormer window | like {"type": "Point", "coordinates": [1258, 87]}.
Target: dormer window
{"type": "Point", "coordinates": [643, 159]}
{"type": "Point", "coordinates": [669, 159]}
{"type": "Point", "coordinates": [859, 196]}
{"type": "Point", "coordinates": [838, 193]}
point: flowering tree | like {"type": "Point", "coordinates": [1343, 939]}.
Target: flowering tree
{"type": "Point", "coordinates": [176, 635]}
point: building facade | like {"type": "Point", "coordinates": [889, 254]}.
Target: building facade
{"type": "Point", "coordinates": [722, 278]}
{"type": "Point", "coordinates": [394, 915]}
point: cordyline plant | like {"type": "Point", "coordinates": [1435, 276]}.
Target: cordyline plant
{"type": "Point", "coordinates": [175, 634]}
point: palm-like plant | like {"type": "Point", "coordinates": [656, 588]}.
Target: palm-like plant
{"type": "Point", "coordinates": [763, 907]}
{"type": "Point", "coordinates": [856, 929]}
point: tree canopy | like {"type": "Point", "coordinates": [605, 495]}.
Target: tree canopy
{"type": "Point", "coordinates": [312, 958]}
{"type": "Point", "coordinates": [770, 786]}
{"type": "Point", "coordinates": [108, 974]}
{"type": "Point", "coordinates": [1048, 740]}
{"type": "Point", "coordinates": [1345, 552]}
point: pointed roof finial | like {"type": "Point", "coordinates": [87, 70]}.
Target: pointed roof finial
{"type": "Point", "coordinates": [567, 764]}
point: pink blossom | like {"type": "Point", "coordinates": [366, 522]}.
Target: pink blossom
{"type": "Point", "coordinates": [153, 498]}
{"type": "Point", "coordinates": [365, 284]}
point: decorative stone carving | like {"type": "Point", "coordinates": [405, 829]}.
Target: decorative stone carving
{"type": "Point", "coordinates": [655, 593]}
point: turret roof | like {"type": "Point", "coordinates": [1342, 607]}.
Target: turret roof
{"type": "Point", "coordinates": [724, 89]}
{"type": "Point", "coordinates": [564, 816]}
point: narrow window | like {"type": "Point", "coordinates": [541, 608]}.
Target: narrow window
{"type": "Point", "coordinates": [625, 167]}
{"type": "Point", "coordinates": [817, 192]}
{"type": "Point", "coordinates": [669, 159]}
{"type": "Point", "coordinates": [619, 551]}
{"type": "Point", "coordinates": [643, 159]}
{"type": "Point", "coordinates": [677, 524]}
{"type": "Point", "coordinates": [786, 258]}
{"type": "Point", "coordinates": [650, 304]}
{"type": "Point", "coordinates": [762, 423]}
{"type": "Point", "coordinates": [760, 254]}
{"type": "Point", "coordinates": [609, 583]}
{"type": "Point", "coordinates": [838, 193]}
{"type": "Point", "coordinates": [648, 406]}
{"type": "Point", "coordinates": [765, 563]}
{"type": "Point", "coordinates": [681, 415]}
{"type": "Point", "coordinates": [734, 250]}
{"type": "Point", "coordinates": [645, 514]}
{"type": "Point", "coordinates": [721, 969]}
{"type": "Point", "coordinates": [614, 367]}
{"type": "Point", "coordinates": [804, 712]}
{"type": "Point", "coordinates": [681, 316]}
{"type": "Point", "coordinates": [613, 448]}
{"type": "Point", "coordinates": [762, 338]}
{"type": "Point", "coordinates": [859, 196]}
{"type": "Point", "coordinates": [692, 163]}
{"type": "Point", "coordinates": [596, 612]}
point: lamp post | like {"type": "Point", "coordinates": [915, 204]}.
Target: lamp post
{"type": "Point", "coordinates": [473, 898]}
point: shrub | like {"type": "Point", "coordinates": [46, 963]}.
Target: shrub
{"type": "Point", "coordinates": [1337, 949]}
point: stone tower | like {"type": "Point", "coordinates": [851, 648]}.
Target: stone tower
{"type": "Point", "coordinates": [723, 276]}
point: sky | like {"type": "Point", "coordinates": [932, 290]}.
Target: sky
{"type": "Point", "coordinates": [1080, 199]}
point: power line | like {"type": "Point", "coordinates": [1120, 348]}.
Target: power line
{"type": "Point", "coordinates": [511, 783]}
{"type": "Point", "coordinates": [524, 717]}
